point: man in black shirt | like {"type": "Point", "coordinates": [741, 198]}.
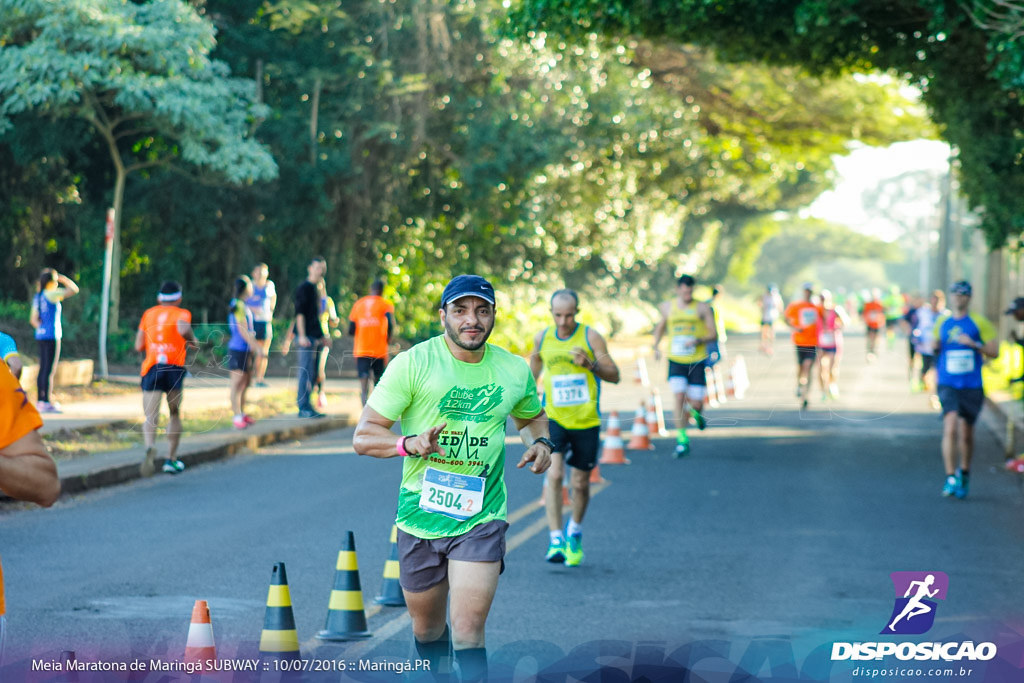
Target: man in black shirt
{"type": "Point", "coordinates": [309, 334]}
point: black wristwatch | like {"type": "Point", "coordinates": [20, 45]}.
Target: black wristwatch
{"type": "Point", "coordinates": [546, 441]}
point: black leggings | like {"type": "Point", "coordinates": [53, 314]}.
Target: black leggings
{"type": "Point", "coordinates": [49, 353]}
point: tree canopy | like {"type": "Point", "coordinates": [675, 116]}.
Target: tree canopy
{"type": "Point", "coordinates": [967, 58]}
{"type": "Point", "coordinates": [414, 141]}
{"type": "Point", "coordinates": [141, 75]}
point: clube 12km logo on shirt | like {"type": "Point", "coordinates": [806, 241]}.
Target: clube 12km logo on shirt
{"type": "Point", "coordinates": [914, 613]}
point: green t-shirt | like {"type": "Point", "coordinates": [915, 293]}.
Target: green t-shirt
{"type": "Point", "coordinates": [426, 386]}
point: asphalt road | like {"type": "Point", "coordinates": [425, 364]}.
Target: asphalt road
{"type": "Point", "coordinates": [773, 540]}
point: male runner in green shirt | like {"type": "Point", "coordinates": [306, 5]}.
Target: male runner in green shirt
{"type": "Point", "coordinates": [453, 394]}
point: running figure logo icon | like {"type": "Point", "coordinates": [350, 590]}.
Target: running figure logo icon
{"type": "Point", "coordinates": [914, 612]}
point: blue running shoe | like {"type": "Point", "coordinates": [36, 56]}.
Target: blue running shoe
{"type": "Point", "coordinates": [574, 550]}
{"type": "Point", "coordinates": [556, 551]}
{"type": "Point", "coordinates": [962, 484]}
{"type": "Point", "coordinates": [949, 488]}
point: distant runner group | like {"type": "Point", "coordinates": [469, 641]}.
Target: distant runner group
{"type": "Point", "coordinates": [952, 345]}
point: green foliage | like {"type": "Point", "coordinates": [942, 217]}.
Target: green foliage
{"type": "Point", "coordinates": [415, 142]}
{"type": "Point", "coordinates": [968, 67]}
{"type": "Point", "coordinates": [15, 310]}
{"type": "Point", "coordinates": [789, 255]}
{"type": "Point", "coordinates": [141, 73]}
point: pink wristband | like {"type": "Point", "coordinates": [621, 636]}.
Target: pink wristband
{"type": "Point", "coordinates": [400, 446]}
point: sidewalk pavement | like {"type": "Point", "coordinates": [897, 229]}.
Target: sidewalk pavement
{"type": "Point", "coordinates": [202, 394]}
{"type": "Point", "coordinates": [123, 412]}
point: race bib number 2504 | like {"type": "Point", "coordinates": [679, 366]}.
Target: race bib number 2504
{"type": "Point", "coordinates": [459, 496]}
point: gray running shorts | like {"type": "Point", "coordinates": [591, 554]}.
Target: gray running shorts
{"type": "Point", "coordinates": [423, 562]}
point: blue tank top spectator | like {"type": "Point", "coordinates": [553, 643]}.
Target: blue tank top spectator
{"type": "Point", "coordinates": [52, 289]}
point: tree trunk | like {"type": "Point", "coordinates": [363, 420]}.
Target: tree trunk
{"type": "Point", "coordinates": [115, 269]}
{"type": "Point", "coordinates": [313, 120]}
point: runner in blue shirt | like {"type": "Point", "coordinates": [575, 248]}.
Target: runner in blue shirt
{"type": "Point", "coordinates": [962, 339]}
{"type": "Point", "coordinates": [46, 319]}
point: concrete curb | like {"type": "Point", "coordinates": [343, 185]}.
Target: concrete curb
{"type": "Point", "coordinates": [128, 469]}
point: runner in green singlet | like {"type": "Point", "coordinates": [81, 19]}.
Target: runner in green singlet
{"type": "Point", "coordinates": [453, 394]}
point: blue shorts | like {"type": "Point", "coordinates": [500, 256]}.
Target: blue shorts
{"type": "Point", "coordinates": [239, 360]}
{"type": "Point", "coordinates": [164, 378]}
{"type": "Point", "coordinates": [966, 403]}
{"type": "Point", "coordinates": [263, 330]}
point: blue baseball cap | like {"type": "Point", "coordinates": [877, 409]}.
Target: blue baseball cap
{"type": "Point", "coordinates": [962, 287]}
{"type": "Point", "coordinates": [467, 285]}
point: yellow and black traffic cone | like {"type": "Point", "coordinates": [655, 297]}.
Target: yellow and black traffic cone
{"type": "Point", "coordinates": [346, 619]}
{"type": "Point", "coordinates": [390, 589]}
{"type": "Point", "coordinates": [279, 639]}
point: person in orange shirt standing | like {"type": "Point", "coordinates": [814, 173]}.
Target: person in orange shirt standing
{"type": "Point", "coordinates": [27, 472]}
{"type": "Point", "coordinates": [873, 313]}
{"type": "Point", "coordinates": [163, 334]}
{"type": "Point", "coordinates": [372, 321]}
{"type": "Point", "coordinates": [804, 318]}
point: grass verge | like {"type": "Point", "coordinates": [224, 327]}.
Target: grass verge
{"type": "Point", "coordinates": [69, 443]}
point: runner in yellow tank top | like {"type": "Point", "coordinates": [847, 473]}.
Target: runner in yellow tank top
{"type": "Point", "coordinates": [574, 360]}
{"type": "Point", "coordinates": [691, 326]}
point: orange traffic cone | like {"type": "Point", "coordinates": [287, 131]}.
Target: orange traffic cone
{"type": "Point", "coordinates": [390, 590]}
{"type": "Point", "coordinates": [544, 494]}
{"type": "Point", "coordinates": [199, 647]}
{"type": "Point", "coordinates": [659, 412]}
{"type": "Point", "coordinates": [740, 378]}
{"type": "Point", "coordinates": [652, 418]}
{"type": "Point", "coordinates": [613, 452]}
{"type": "Point", "coordinates": [730, 385]}
{"type": "Point", "coordinates": [595, 476]}
{"type": "Point", "coordinates": [709, 380]}
{"type": "Point", "coordinates": [639, 438]}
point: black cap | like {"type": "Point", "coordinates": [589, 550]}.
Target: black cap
{"type": "Point", "coordinates": [467, 285]}
{"type": "Point", "coordinates": [1017, 304]}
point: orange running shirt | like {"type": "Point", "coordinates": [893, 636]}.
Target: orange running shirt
{"type": "Point", "coordinates": [18, 417]}
{"type": "Point", "coordinates": [804, 316]}
{"type": "Point", "coordinates": [874, 315]}
{"type": "Point", "coordinates": [370, 316]}
{"type": "Point", "coordinates": [164, 344]}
